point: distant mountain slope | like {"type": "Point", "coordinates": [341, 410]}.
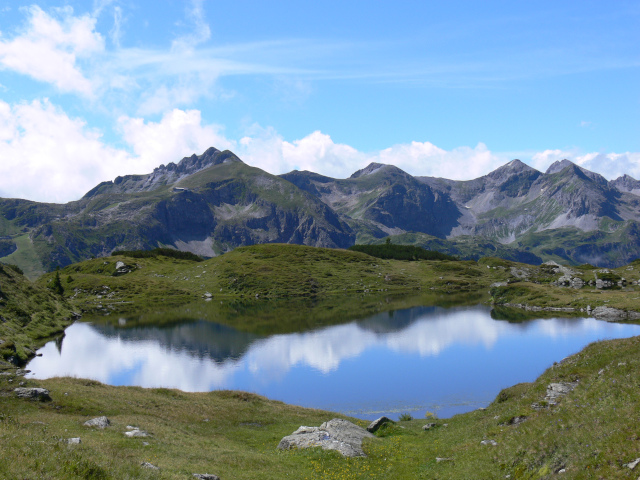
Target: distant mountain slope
{"type": "Point", "coordinates": [383, 200]}
{"type": "Point", "coordinates": [207, 205]}
{"type": "Point", "coordinates": [211, 203]}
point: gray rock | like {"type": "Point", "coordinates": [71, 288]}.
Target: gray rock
{"type": "Point", "coordinates": [136, 432]}
{"type": "Point", "coordinates": [633, 464]}
{"type": "Point", "coordinates": [557, 390]}
{"type": "Point", "coordinates": [489, 442]}
{"type": "Point", "coordinates": [441, 459]}
{"type": "Point", "coordinates": [206, 476]}
{"type": "Point", "coordinates": [41, 394]}
{"type": "Point", "coordinates": [376, 424]}
{"type": "Point", "coordinates": [517, 420]}
{"type": "Point", "coordinates": [149, 465]}
{"type": "Point", "coordinates": [428, 426]}
{"type": "Point", "coordinates": [336, 434]}
{"type": "Point", "coordinates": [73, 441]}
{"type": "Point", "coordinates": [610, 314]}
{"type": "Point", "coordinates": [98, 422]}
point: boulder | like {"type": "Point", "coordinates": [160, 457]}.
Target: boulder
{"type": "Point", "coordinates": [206, 476]}
{"type": "Point", "coordinates": [428, 426]}
{"type": "Point", "coordinates": [149, 465]}
{"type": "Point", "coordinates": [557, 390]}
{"type": "Point", "coordinates": [72, 441]}
{"type": "Point", "coordinates": [98, 422]}
{"type": "Point", "coordinates": [633, 464]}
{"type": "Point", "coordinates": [336, 434]}
{"type": "Point", "coordinates": [41, 394]}
{"type": "Point", "coordinates": [136, 432]}
{"type": "Point", "coordinates": [376, 424]}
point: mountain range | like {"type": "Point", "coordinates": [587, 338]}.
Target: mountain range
{"type": "Point", "coordinates": [214, 202]}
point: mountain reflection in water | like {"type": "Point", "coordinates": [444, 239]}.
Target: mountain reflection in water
{"type": "Point", "coordinates": [413, 360]}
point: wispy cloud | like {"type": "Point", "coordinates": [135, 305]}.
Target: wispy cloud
{"type": "Point", "coordinates": [199, 30]}
{"type": "Point", "coordinates": [49, 48]}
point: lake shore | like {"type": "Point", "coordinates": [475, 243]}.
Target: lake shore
{"type": "Point", "coordinates": [235, 434]}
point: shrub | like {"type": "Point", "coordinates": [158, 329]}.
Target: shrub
{"type": "Point", "coordinates": [165, 252]}
{"type": "Point", "coordinates": [405, 417]}
{"type": "Point", "coordinates": [400, 252]}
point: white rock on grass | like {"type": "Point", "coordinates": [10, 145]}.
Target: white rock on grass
{"type": "Point", "coordinates": [633, 464]}
{"type": "Point", "coordinates": [206, 476]}
{"type": "Point", "coordinates": [41, 394]}
{"type": "Point", "coordinates": [98, 422]}
{"type": "Point", "coordinates": [489, 442]}
{"type": "Point", "coordinates": [337, 434]}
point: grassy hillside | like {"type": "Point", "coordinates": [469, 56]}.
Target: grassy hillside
{"type": "Point", "coordinates": [282, 271]}
{"type": "Point", "coordinates": [29, 315]}
{"type": "Point", "coordinates": [270, 271]}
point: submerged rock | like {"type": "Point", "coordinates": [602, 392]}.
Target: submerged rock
{"type": "Point", "coordinates": [336, 434]}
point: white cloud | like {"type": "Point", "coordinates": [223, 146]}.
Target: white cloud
{"type": "Point", "coordinates": [178, 134]}
{"type": "Point", "coordinates": [317, 152]}
{"type": "Point", "coordinates": [199, 28]}
{"type": "Point", "coordinates": [116, 33]}
{"type": "Point", "coordinates": [611, 165]}
{"type": "Point", "coordinates": [48, 49]}
{"type": "Point", "coordinates": [49, 156]}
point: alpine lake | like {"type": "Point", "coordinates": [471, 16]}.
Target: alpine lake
{"type": "Point", "coordinates": [445, 357]}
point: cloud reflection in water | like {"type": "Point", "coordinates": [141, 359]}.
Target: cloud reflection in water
{"type": "Point", "coordinates": [416, 341]}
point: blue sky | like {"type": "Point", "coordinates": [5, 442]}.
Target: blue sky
{"type": "Point", "coordinates": [89, 91]}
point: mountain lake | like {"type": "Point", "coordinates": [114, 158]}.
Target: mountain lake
{"type": "Point", "coordinates": [416, 360]}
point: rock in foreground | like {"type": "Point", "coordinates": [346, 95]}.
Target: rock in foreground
{"type": "Point", "coordinates": [336, 434]}
{"type": "Point", "coordinates": [41, 394]}
{"type": "Point", "coordinates": [98, 422]}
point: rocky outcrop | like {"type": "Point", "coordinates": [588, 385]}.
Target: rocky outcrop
{"type": "Point", "coordinates": [610, 314]}
{"type": "Point", "coordinates": [98, 422]}
{"type": "Point", "coordinates": [376, 424]}
{"type": "Point", "coordinates": [337, 434]}
{"type": "Point", "coordinates": [40, 394]}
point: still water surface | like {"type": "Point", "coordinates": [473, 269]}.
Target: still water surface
{"type": "Point", "coordinates": [415, 360]}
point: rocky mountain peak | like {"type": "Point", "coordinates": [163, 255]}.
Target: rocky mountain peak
{"type": "Point", "coordinates": [374, 168]}
{"type": "Point", "coordinates": [577, 170]}
{"type": "Point", "coordinates": [514, 167]}
{"type": "Point", "coordinates": [626, 183]}
{"type": "Point", "coordinates": [559, 165]}
{"type": "Point", "coordinates": [368, 170]}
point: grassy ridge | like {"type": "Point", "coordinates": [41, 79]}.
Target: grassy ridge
{"type": "Point", "coordinates": [29, 315]}
{"type": "Point", "coordinates": [271, 271]}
